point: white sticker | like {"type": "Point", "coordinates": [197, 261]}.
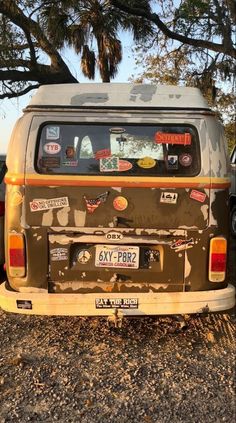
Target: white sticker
{"type": "Point", "coordinates": [169, 197]}
{"type": "Point", "coordinates": [52, 132]}
{"type": "Point", "coordinates": [52, 148]}
{"type": "Point", "coordinates": [53, 203]}
{"type": "Point", "coordinates": [58, 254]}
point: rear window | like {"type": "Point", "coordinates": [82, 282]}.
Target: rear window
{"type": "Point", "coordinates": [139, 150]}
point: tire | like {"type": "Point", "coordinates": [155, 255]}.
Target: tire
{"type": "Point", "coordinates": [233, 221]}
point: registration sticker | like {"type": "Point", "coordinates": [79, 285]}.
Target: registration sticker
{"type": "Point", "coordinates": [117, 256]}
{"type": "Point", "coordinates": [116, 302]}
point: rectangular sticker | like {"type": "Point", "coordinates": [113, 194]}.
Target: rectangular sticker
{"type": "Point", "coordinates": [116, 302]}
{"type": "Point", "coordinates": [52, 132]}
{"type": "Point", "coordinates": [198, 196]}
{"type": "Point", "coordinates": [109, 164]}
{"type": "Point", "coordinates": [24, 304]}
{"type": "Point", "coordinates": [169, 138]}
{"type": "Point", "coordinates": [53, 203]}
{"type": "Point", "coordinates": [172, 162]}
{"type": "Point", "coordinates": [50, 162]}
{"type": "Point", "coordinates": [169, 197]}
{"type": "Point", "coordinates": [58, 254]}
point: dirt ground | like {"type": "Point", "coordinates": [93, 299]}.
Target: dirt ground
{"type": "Point", "coordinates": [60, 369]}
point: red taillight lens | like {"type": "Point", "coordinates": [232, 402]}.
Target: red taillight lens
{"type": "Point", "coordinates": [2, 208]}
{"type": "Point", "coordinates": [217, 259]}
{"type": "Point", "coordinates": [16, 255]}
{"type": "Point", "coordinates": [218, 262]}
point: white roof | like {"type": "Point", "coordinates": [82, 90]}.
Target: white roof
{"type": "Point", "coordinates": [118, 95]}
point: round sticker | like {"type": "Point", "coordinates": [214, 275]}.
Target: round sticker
{"type": "Point", "coordinates": [185, 159]}
{"type": "Point", "coordinates": [120, 203]}
{"type": "Point", "coordinates": [52, 148]}
{"type": "Point", "coordinates": [146, 163]}
{"type": "Point", "coordinates": [83, 256]}
{"type": "Point", "coordinates": [124, 165]}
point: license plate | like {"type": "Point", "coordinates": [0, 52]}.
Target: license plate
{"type": "Point", "coordinates": [117, 256]}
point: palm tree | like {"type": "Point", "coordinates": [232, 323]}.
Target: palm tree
{"type": "Point", "coordinates": [86, 24]}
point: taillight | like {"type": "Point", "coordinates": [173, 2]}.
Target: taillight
{"type": "Point", "coordinates": [2, 208]}
{"type": "Point", "coordinates": [217, 259]}
{"type": "Point", "coordinates": [16, 255]}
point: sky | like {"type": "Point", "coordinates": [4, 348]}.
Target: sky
{"type": "Point", "coordinates": [11, 110]}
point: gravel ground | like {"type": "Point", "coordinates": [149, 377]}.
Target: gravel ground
{"type": "Point", "coordinates": [72, 369]}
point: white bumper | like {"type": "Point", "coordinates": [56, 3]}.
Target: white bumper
{"type": "Point", "coordinates": [104, 304]}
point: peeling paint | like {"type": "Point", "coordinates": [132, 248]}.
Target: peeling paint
{"type": "Point", "coordinates": [187, 266]}
{"type": "Point", "coordinates": [63, 216]}
{"type": "Point", "coordinates": [204, 210]}
{"type": "Point", "coordinates": [47, 218]}
{"type": "Point", "coordinates": [80, 217]}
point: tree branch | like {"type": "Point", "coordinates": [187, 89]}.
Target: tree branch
{"type": "Point", "coordinates": [13, 12]}
{"type": "Point", "coordinates": [153, 17]}
{"type": "Point", "coordinates": [14, 94]}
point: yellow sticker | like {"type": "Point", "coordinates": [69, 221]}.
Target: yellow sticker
{"type": "Point", "coordinates": [146, 163]}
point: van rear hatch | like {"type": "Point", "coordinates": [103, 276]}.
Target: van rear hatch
{"type": "Point", "coordinates": [117, 202]}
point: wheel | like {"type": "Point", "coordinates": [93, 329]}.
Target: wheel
{"type": "Point", "coordinates": [233, 221]}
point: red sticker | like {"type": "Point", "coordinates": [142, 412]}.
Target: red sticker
{"type": "Point", "coordinates": [166, 138]}
{"type": "Point", "coordinates": [124, 165]}
{"type": "Point", "coordinates": [198, 196]}
{"type": "Point", "coordinates": [102, 154]}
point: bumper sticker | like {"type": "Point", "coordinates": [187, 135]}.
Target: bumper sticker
{"type": "Point", "coordinates": [169, 198]}
{"type": "Point", "coordinates": [198, 195]}
{"type": "Point", "coordinates": [53, 203]}
{"type": "Point", "coordinates": [116, 302]}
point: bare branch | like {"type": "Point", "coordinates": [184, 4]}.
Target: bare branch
{"type": "Point", "coordinates": [153, 17]}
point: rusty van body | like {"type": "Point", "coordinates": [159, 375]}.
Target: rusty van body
{"type": "Point", "coordinates": [117, 199]}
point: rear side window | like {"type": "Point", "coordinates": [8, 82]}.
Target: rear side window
{"type": "Point", "coordinates": [138, 150]}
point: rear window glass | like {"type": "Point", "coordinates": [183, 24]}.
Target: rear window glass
{"type": "Point", "coordinates": [118, 150]}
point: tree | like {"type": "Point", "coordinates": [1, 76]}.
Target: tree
{"type": "Point", "coordinates": [201, 30]}
{"type": "Point", "coordinates": [34, 32]}
{"type": "Point", "coordinates": [193, 45]}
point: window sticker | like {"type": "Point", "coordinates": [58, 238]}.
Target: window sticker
{"type": "Point", "coordinates": [198, 195]}
{"type": "Point", "coordinates": [52, 132]}
{"type": "Point", "coordinates": [52, 203]}
{"type": "Point", "coordinates": [70, 156]}
{"type": "Point", "coordinates": [109, 164]}
{"type": "Point", "coordinates": [50, 162]}
{"type": "Point", "coordinates": [168, 138]}
{"type": "Point", "coordinates": [52, 148]}
{"type": "Point", "coordinates": [185, 159]}
{"type": "Point", "coordinates": [117, 130]}
{"type": "Point", "coordinates": [124, 165]}
{"type": "Point", "coordinates": [169, 198]}
{"type": "Point", "coordinates": [172, 162]}
{"type": "Point", "coordinates": [146, 163]}
{"type": "Point", "coordinates": [101, 154]}
{"type": "Point", "coordinates": [70, 152]}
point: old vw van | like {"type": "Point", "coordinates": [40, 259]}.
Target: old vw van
{"type": "Point", "coordinates": [117, 199]}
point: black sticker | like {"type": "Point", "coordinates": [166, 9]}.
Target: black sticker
{"type": "Point", "coordinates": [24, 304]}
